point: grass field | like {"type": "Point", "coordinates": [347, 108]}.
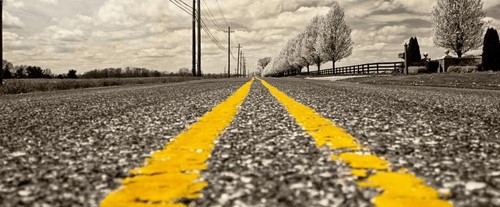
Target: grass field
{"type": "Point", "coordinates": [482, 80]}
{"type": "Point", "coordinates": [17, 86]}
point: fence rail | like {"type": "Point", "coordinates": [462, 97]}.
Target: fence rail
{"type": "Point", "coordinates": [368, 68]}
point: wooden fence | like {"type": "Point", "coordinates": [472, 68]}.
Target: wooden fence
{"type": "Point", "coordinates": [369, 68]}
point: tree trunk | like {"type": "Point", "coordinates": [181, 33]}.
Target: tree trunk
{"type": "Point", "coordinates": [459, 54]}
{"type": "Point", "coordinates": [307, 69]}
{"type": "Point", "coordinates": [333, 65]}
{"type": "Point", "coordinates": [319, 68]}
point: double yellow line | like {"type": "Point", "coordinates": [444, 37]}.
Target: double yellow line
{"type": "Point", "coordinates": [173, 174]}
{"type": "Point", "coordinates": [399, 189]}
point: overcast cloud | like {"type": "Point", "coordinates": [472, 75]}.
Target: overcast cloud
{"type": "Point", "coordinates": [89, 34]}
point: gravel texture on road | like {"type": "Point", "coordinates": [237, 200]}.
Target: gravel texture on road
{"type": "Point", "coordinates": [265, 159]}
{"type": "Point", "coordinates": [449, 137]}
{"type": "Point", "coordinates": [71, 148]}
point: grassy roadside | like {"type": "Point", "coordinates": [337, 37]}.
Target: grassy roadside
{"type": "Point", "coordinates": [17, 86]}
{"type": "Point", "coordinates": [482, 80]}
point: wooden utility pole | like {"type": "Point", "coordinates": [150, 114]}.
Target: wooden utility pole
{"type": "Point", "coordinates": [240, 72]}
{"type": "Point", "coordinates": [243, 66]}
{"type": "Point", "coordinates": [229, 51]}
{"type": "Point", "coordinates": [193, 70]}
{"type": "Point", "coordinates": [1, 69]}
{"type": "Point", "coordinates": [406, 58]}
{"type": "Point", "coordinates": [238, 64]}
{"type": "Point", "coordinates": [199, 37]}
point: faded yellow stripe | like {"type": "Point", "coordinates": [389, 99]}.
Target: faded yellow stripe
{"type": "Point", "coordinates": [399, 189]}
{"type": "Point", "coordinates": [173, 173]}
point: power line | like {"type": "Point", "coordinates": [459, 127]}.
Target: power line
{"type": "Point", "coordinates": [187, 5]}
{"type": "Point", "coordinates": [182, 5]}
{"type": "Point", "coordinates": [220, 10]}
{"type": "Point", "coordinates": [211, 36]}
{"type": "Point", "coordinates": [186, 8]}
{"type": "Point", "coordinates": [211, 16]}
{"type": "Point", "coordinates": [225, 20]}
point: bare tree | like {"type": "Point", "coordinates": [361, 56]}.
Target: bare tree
{"type": "Point", "coordinates": [262, 63]}
{"type": "Point", "coordinates": [334, 36]}
{"type": "Point", "coordinates": [458, 24]}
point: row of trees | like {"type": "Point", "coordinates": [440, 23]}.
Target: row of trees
{"type": "Point", "coordinates": [127, 72]}
{"type": "Point", "coordinates": [26, 71]}
{"type": "Point", "coordinates": [458, 26]}
{"type": "Point", "coordinates": [325, 38]}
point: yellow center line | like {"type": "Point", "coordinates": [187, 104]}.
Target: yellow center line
{"type": "Point", "coordinates": [399, 189]}
{"type": "Point", "coordinates": [173, 173]}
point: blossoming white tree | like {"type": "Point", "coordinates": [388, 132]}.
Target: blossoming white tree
{"type": "Point", "coordinates": [334, 37]}
{"type": "Point", "coordinates": [309, 40]}
{"type": "Point", "coordinates": [325, 38]}
{"type": "Point", "coordinates": [458, 25]}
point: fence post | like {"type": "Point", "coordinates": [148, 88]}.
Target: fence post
{"type": "Point", "coordinates": [368, 69]}
{"type": "Point", "coordinates": [377, 68]}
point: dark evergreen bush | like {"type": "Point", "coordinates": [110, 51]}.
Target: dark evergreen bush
{"type": "Point", "coordinates": [414, 56]}
{"type": "Point", "coordinates": [491, 50]}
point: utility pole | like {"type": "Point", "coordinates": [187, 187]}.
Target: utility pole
{"type": "Point", "coordinates": [229, 51]}
{"type": "Point", "coordinates": [406, 59]}
{"type": "Point", "coordinates": [193, 70]}
{"type": "Point", "coordinates": [1, 69]}
{"type": "Point", "coordinates": [238, 65]}
{"type": "Point", "coordinates": [199, 37]}
{"type": "Point", "coordinates": [244, 66]}
{"type": "Point", "coordinates": [241, 64]}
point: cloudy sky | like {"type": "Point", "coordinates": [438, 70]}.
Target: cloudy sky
{"type": "Point", "coordinates": [89, 34]}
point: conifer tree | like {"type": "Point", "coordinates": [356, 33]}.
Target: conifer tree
{"type": "Point", "coordinates": [491, 50]}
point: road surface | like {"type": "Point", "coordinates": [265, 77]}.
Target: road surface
{"type": "Point", "coordinates": [278, 142]}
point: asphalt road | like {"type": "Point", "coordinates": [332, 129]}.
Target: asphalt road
{"type": "Point", "coordinates": [72, 148]}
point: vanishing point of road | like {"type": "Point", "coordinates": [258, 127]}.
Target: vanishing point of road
{"type": "Point", "coordinates": [259, 142]}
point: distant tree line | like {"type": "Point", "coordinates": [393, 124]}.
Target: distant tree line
{"type": "Point", "coordinates": [10, 71]}
{"type": "Point", "coordinates": [128, 72]}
